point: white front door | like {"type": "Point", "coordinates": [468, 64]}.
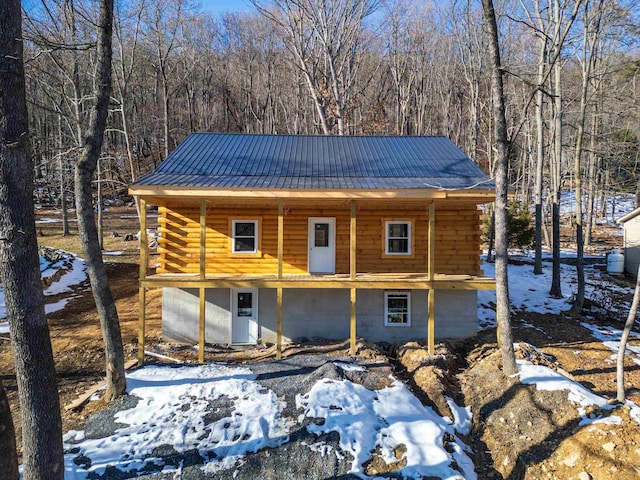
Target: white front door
{"type": "Point", "coordinates": [322, 245]}
{"type": "Point", "coordinates": [244, 315]}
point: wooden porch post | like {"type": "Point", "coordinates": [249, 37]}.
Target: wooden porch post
{"type": "Point", "coordinates": [203, 274]}
{"type": "Point", "coordinates": [280, 237]}
{"type": "Point", "coordinates": [142, 296]}
{"type": "Point", "coordinates": [352, 274]}
{"type": "Point", "coordinates": [352, 349]}
{"type": "Point", "coordinates": [431, 273]}
{"type": "Point", "coordinates": [279, 324]}
{"type": "Point", "coordinates": [352, 242]}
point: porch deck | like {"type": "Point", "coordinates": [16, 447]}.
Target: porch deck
{"type": "Point", "coordinates": [361, 281]}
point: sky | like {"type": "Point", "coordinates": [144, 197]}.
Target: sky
{"type": "Point", "coordinates": [220, 6]}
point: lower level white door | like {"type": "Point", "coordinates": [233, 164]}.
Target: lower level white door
{"type": "Point", "coordinates": [244, 315]}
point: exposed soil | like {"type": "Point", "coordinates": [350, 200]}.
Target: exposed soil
{"type": "Point", "coordinates": [519, 432]}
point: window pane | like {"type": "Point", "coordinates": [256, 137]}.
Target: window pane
{"type": "Point", "coordinates": [322, 235]}
{"type": "Point", "coordinates": [399, 230]}
{"type": "Point", "coordinates": [244, 245]}
{"type": "Point", "coordinates": [397, 318]}
{"type": "Point", "coordinates": [247, 229]}
{"type": "Point", "coordinates": [399, 245]}
{"type": "Point", "coordinates": [397, 304]}
{"type": "Point", "coordinates": [245, 304]}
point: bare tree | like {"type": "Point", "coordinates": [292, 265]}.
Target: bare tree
{"type": "Point", "coordinates": [590, 39]}
{"type": "Point", "coordinates": [19, 265]}
{"type": "Point", "coordinates": [9, 460]}
{"type": "Point", "coordinates": [85, 169]}
{"type": "Point", "coordinates": [501, 169]}
{"type": "Point", "coordinates": [325, 38]}
{"type": "Point", "coordinates": [628, 325]}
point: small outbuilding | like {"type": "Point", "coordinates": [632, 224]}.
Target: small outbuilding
{"type": "Point", "coordinates": [276, 237]}
{"type": "Point", "coordinates": [631, 228]}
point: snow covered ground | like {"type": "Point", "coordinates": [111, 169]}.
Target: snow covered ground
{"type": "Point", "coordinates": [545, 378]}
{"type": "Point", "coordinates": [175, 403]}
{"type": "Point", "coordinates": [617, 205]}
{"type": "Point", "coordinates": [71, 271]}
{"type": "Point", "coordinates": [530, 292]}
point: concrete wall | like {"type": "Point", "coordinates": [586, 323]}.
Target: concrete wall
{"type": "Point", "coordinates": [180, 315]}
{"type": "Point", "coordinates": [318, 313]}
{"type": "Point", "coordinates": [632, 246]}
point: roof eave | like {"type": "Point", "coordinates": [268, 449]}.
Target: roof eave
{"type": "Point", "coordinates": [629, 216]}
{"type": "Point", "coordinates": [487, 195]}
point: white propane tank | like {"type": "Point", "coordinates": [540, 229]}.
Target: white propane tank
{"type": "Point", "coordinates": [615, 262]}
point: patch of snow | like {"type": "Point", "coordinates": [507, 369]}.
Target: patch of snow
{"type": "Point", "coordinates": [610, 338]}
{"type": "Point", "coordinates": [74, 273]}
{"type": "Point", "coordinates": [55, 307]}
{"type": "Point", "coordinates": [173, 405]}
{"type": "Point", "coordinates": [546, 379]}
{"type": "Point", "coordinates": [113, 254]}
{"type": "Point", "coordinates": [48, 220]}
{"type": "Point", "coordinates": [4, 327]}
{"type": "Point", "coordinates": [349, 367]}
{"type": "Point", "coordinates": [366, 420]}
{"type": "Point", "coordinates": [461, 416]}
{"type": "Point", "coordinates": [530, 292]}
{"type": "Point", "coordinates": [319, 447]}
{"type": "Point", "coordinates": [610, 420]}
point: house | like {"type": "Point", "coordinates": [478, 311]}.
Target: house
{"type": "Point", "coordinates": [277, 237]}
{"type": "Point", "coordinates": [631, 228]}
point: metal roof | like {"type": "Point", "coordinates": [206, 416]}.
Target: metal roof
{"type": "Point", "coordinates": [226, 160]}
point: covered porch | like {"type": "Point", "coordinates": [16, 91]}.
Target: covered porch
{"type": "Point", "coordinates": [426, 279]}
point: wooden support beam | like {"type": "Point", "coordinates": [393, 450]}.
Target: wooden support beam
{"type": "Point", "coordinates": [280, 237]}
{"type": "Point", "coordinates": [144, 242]}
{"type": "Point", "coordinates": [352, 336]}
{"type": "Point", "coordinates": [431, 258]}
{"type": "Point", "coordinates": [431, 327]}
{"type": "Point", "coordinates": [142, 295]}
{"type": "Point", "coordinates": [352, 242]}
{"type": "Point", "coordinates": [202, 306]}
{"type": "Point", "coordinates": [142, 312]}
{"type": "Point", "coordinates": [203, 238]}
{"type": "Point", "coordinates": [279, 324]}
{"type": "Point", "coordinates": [431, 271]}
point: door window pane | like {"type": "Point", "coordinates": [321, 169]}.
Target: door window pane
{"type": "Point", "coordinates": [321, 235]}
{"type": "Point", "coordinates": [245, 304]}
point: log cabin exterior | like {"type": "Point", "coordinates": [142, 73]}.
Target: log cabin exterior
{"type": "Point", "coordinates": [277, 237]}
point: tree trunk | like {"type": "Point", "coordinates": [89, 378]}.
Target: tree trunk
{"type": "Point", "coordinates": [63, 187]}
{"type": "Point", "coordinates": [501, 168]}
{"type": "Point", "coordinates": [556, 285]}
{"type": "Point", "coordinates": [537, 269]}
{"type": "Point", "coordinates": [492, 232]}
{"type": "Point", "coordinates": [84, 171]}
{"type": "Point", "coordinates": [19, 265]}
{"type": "Point", "coordinates": [631, 318]}
{"type": "Point", "coordinates": [9, 460]}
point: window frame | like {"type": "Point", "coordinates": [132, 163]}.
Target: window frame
{"type": "Point", "coordinates": [256, 236]}
{"type": "Point", "coordinates": [409, 237]}
{"type": "Point", "coordinates": [388, 294]}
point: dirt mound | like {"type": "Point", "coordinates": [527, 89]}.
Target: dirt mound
{"type": "Point", "coordinates": [537, 434]}
{"type": "Point", "coordinates": [433, 375]}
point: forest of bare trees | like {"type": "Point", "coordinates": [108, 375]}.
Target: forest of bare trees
{"type": "Point", "coordinates": [362, 67]}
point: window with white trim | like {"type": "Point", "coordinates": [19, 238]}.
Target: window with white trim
{"type": "Point", "coordinates": [245, 236]}
{"type": "Point", "coordinates": [398, 238]}
{"type": "Point", "coordinates": [397, 309]}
